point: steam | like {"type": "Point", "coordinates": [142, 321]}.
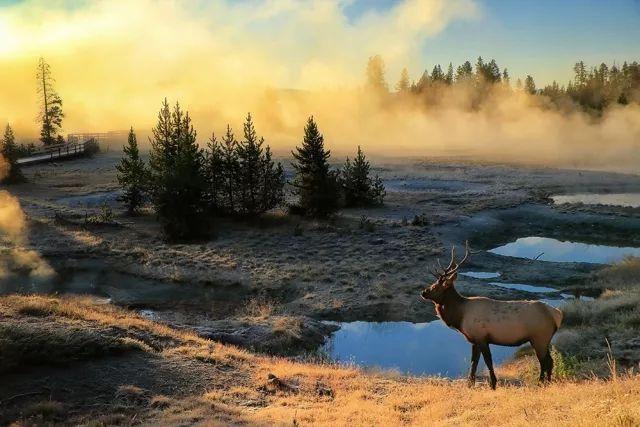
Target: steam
{"type": "Point", "coordinates": [284, 60]}
{"type": "Point", "coordinates": [16, 260]}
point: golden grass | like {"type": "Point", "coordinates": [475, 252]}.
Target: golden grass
{"type": "Point", "coordinates": [325, 394]}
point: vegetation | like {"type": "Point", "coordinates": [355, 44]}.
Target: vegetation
{"type": "Point", "coordinates": [358, 187]}
{"type": "Point", "coordinates": [9, 151]}
{"type": "Point", "coordinates": [177, 175]}
{"type": "Point", "coordinates": [316, 184]}
{"type": "Point", "coordinates": [591, 89]}
{"type": "Point", "coordinates": [51, 114]}
{"type": "Point", "coordinates": [260, 181]}
{"type": "Point", "coordinates": [133, 176]}
{"type": "Point", "coordinates": [174, 377]}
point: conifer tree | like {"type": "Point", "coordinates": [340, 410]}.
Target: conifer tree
{"type": "Point", "coordinates": [230, 168]}
{"type": "Point", "coordinates": [133, 176]}
{"type": "Point", "coordinates": [403, 84]}
{"type": "Point", "coordinates": [179, 181]}
{"type": "Point", "coordinates": [260, 181]}
{"type": "Point", "coordinates": [316, 185]}
{"type": "Point", "coordinates": [448, 78]}
{"type": "Point", "coordinates": [359, 188]}
{"type": "Point", "coordinates": [530, 85]}
{"type": "Point", "coordinates": [51, 114]}
{"type": "Point", "coordinates": [9, 151]}
{"type": "Point", "coordinates": [214, 171]}
{"type": "Point", "coordinates": [375, 75]}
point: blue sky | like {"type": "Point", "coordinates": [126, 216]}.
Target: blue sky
{"type": "Point", "coordinates": [543, 38]}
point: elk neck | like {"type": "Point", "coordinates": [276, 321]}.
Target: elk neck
{"type": "Point", "coordinates": [450, 308]}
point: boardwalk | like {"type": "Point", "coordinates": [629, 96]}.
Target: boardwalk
{"type": "Point", "coordinates": [58, 152]}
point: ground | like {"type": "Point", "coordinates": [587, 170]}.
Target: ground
{"type": "Point", "coordinates": [156, 375]}
{"type": "Point", "coordinates": [142, 343]}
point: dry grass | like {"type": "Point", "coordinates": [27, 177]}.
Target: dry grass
{"type": "Point", "coordinates": [324, 394]}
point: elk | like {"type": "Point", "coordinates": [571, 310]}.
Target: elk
{"type": "Point", "coordinates": [485, 321]}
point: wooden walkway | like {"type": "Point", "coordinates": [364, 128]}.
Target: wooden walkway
{"type": "Point", "coordinates": [56, 152]}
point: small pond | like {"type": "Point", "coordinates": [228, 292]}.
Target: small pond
{"type": "Point", "coordinates": [559, 251]}
{"type": "Point", "coordinates": [524, 288]}
{"type": "Point", "coordinates": [480, 274]}
{"type": "Point", "coordinates": [411, 348]}
{"type": "Point", "coordinates": [612, 199]}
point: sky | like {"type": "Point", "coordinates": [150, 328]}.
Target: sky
{"type": "Point", "coordinates": [115, 60]}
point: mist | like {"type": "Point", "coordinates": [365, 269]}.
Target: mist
{"type": "Point", "coordinates": [283, 61]}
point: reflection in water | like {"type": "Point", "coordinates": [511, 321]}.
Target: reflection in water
{"type": "Point", "coordinates": [619, 199]}
{"type": "Point", "coordinates": [480, 274]}
{"type": "Point", "coordinates": [557, 251]}
{"type": "Point", "coordinates": [524, 288]}
{"type": "Point", "coordinates": [413, 348]}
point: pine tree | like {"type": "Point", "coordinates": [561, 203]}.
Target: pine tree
{"type": "Point", "coordinates": [214, 171]}
{"type": "Point", "coordinates": [51, 114]}
{"type": "Point", "coordinates": [260, 181]}
{"type": "Point", "coordinates": [505, 77]}
{"type": "Point", "coordinates": [530, 85]}
{"type": "Point", "coordinates": [10, 172]}
{"type": "Point", "coordinates": [437, 75]}
{"type": "Point", "coordinates": [403, 84]}
{"type": "Point", "coordinates": [359, 188]}
{"type": "Point", "coordinates": [375, 75]}
{"type": "Point", "coordinates": [179, 181]}
{"type": "Point", "coordinates": [448, 78]}
{"type": "Point", "coordinates": [133, 176]}
{"type": "Point", "coordinates": [230, 172]}
{"type": "Point", "coordinates": [316, 185]}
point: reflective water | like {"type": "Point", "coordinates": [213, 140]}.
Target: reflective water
{"type": "Point", "coordinates": [523, 287]}
{"type": "Point", "coordinates": [411, 348]}
{"type": "Point", "coordinates": [558, 251]}
{"type": "Point", "coordinates": [614, 199]}
{"type": "Point", "coordinates": [480, 274]}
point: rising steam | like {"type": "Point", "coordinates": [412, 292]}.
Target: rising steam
{"type": "Point", "coordinates": [284, 60]}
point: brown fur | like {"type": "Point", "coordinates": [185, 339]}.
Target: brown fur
{"type": "Point", "coordinates": [485, 321]}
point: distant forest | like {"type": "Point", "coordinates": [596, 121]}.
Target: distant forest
{"type": "Point", "coordinates": [591, 89]}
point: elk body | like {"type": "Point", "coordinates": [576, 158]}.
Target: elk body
{"type": "Point", "coordinates": [485, 321]}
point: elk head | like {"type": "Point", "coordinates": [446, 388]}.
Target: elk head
{"type": "Point", "coordinates": [445, 277]}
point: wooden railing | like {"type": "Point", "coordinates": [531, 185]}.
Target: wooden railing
{"type": "Point", "coordinates": [58, 151]}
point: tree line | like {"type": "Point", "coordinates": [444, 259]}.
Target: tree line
{"type": "Point", "coordinates": [189, 186]}
{"type": "Point", "coordinates": [591, 89]}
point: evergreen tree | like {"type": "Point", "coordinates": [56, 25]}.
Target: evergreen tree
{"type": "Point", "coordinates": [9, 151]}
{"type": "Point", "coordinates": [133, 176]}
{"type": "Point", "coordinates": [375, 75]}
{"type": "Point", "coordinates": [230, 172]}
{"type": "Point", "coordinates": [179, 181]}
{"type": "Point", "coordinates": [214, 171]}
{"type": "Point", "coordinates": [448, 78]}
{"type": "Point", "coordinates": [359, 188]}
{"type": "Point", "coordinates": [316, 185]}
{"type": "Point", "coordinates": [437, 75]}
{"type": "Point", "coordinates": [505, 77]}
{"type": "Point", "coordinates": [464, 72]}
{"type": "Point", "coordinates": [260, 181]}
{"type": "Point", "coordinates": [51, 114]}
{"type": "Point", "coordinates": [530, 85]}
{"type": "Point", "coordinates": [403, 84]}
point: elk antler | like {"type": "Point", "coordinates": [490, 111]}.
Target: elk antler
{"type": "Point", "coordinates": [466, 255]}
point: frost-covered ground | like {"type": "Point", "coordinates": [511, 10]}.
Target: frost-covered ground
{"type": "Point", "coordinates": [326, 269]}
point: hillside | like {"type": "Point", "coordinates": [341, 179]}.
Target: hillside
{"type": "Point", "coordinates": [84, 361]}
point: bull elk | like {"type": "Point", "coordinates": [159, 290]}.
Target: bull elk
{"type": "Point", "coordinates": [485, 321]}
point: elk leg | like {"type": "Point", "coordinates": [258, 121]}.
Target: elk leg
{"type": "Point", "coordinates": [549, 366]}
{"type": "Point", "coordinates": [543, 354]}
{"type": "Point", "coordinates": [486, 354]}
{"type": "Point", "coordinates": [475, 358]}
